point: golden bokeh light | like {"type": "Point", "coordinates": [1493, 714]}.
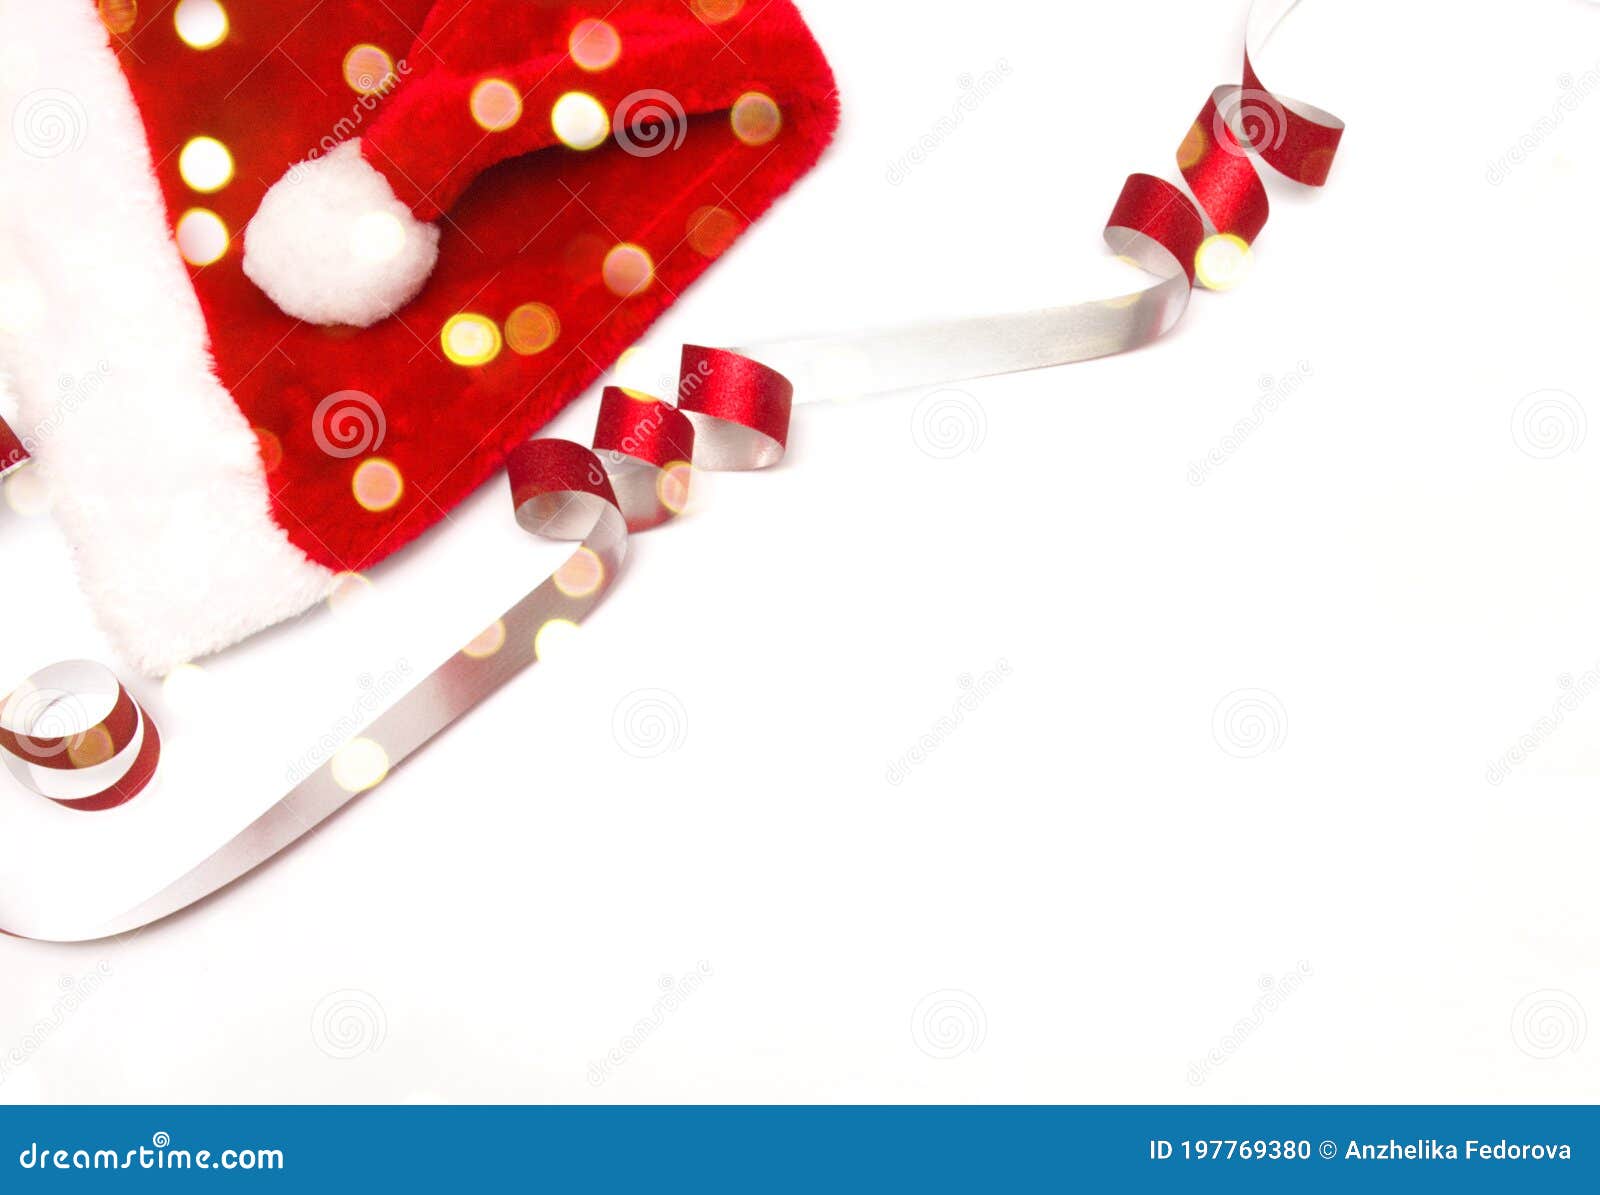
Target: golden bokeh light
{"type": "Point", "coordinates": [594, 45]}
{"type": "Point", "coordinates": [714, 12]}
{"type": "Point", "coordinates": [359, 765]}
{"type": "Point", "coordinates": [118, 16]}
{"type": "Point", "coordinates": [581, 575]}
{"type": "Point", "coordinates": [271, 449]}
{"type": "Point", "coordinates": [489, 641]}
{"type": "Point", "coordinates": [348, 593]}
{"type": "Point", "coordinates": [628, 271]}
{"type": "Point", "coordinates": [201, 24]}
{"type": "Point", "coordinates": [756, 118]}
{"type": "Point", "coordinates": [470, 339]}
{"type": "Point", "coordinates": [202, 236]}
{"type": "Point", "coordinates": [205, 164]}
{"type": "Point", "coordinates": [1222, 261]}
{"type": "Point", "coordinates": [188, 686]}
{"type": "Point", "coordinates": [673, 486]}
{"type": "Point", "coordinates": [553, 637]}
{"type": "Point", "coordinates": [368, 69]}
{"type": "Point", "coordinates": [28, 493]}
{"type": "Point", "coordinates": [640, 374]}
{"type": "Point", "coordinates": [91, 748]}
{"type": "Point", "coordinates": [711, 230]}
{"type": "Point", "coordinates": [377, 484]}
{"type": "Point", "coordinates": [580, 120]}
{"type": "Point", "coordinates": [496, 105]}
{"type": "Point", "coordinates": [532, 328]}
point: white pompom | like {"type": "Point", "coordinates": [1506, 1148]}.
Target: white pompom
{"type": "Point", "coordinates": [330, 243]}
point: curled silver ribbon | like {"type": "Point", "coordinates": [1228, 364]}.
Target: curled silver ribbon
{"type": "Point", "coordinates": [739, 411]}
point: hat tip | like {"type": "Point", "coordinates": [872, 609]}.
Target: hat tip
{"type": "Point", "coordinates": [331, 244]}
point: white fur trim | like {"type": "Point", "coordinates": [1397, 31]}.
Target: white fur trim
{"type": "Point", "coordinates": [330, 243]}
{"type": "Point", "coordinates": [156, 475]}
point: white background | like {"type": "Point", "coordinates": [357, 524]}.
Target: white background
{"type": "Point", "coordinates": [1084, 892]}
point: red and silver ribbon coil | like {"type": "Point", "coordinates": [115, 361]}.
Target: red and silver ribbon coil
{"type": "Point", "coordinates": [13, 454]}
{"type": "Point", "coordinates": [73, 734]}
{"type": "Point", "coordinates": [732, 414]}
{"type": "Point", "coordinates": [1153, 223]}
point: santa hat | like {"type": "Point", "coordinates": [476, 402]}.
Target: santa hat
{"type": "Point", "coordinates": [285, 283]}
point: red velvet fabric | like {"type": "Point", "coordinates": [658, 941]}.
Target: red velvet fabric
{"type": "Point", "coordinates": [534, 226]}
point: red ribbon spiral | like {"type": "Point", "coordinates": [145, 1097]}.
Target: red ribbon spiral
{"type": "Point", "coordinates": [73, 734]}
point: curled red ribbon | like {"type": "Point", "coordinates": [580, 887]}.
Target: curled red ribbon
{"type": "Point", "coordinates": [13, 455]}
{"type": "Point", "coordinates": [732, 413]}
{"type": "Point", "coordinates": [74, 735]}
{"type": "Point", "coordinates": [1294, 138]}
